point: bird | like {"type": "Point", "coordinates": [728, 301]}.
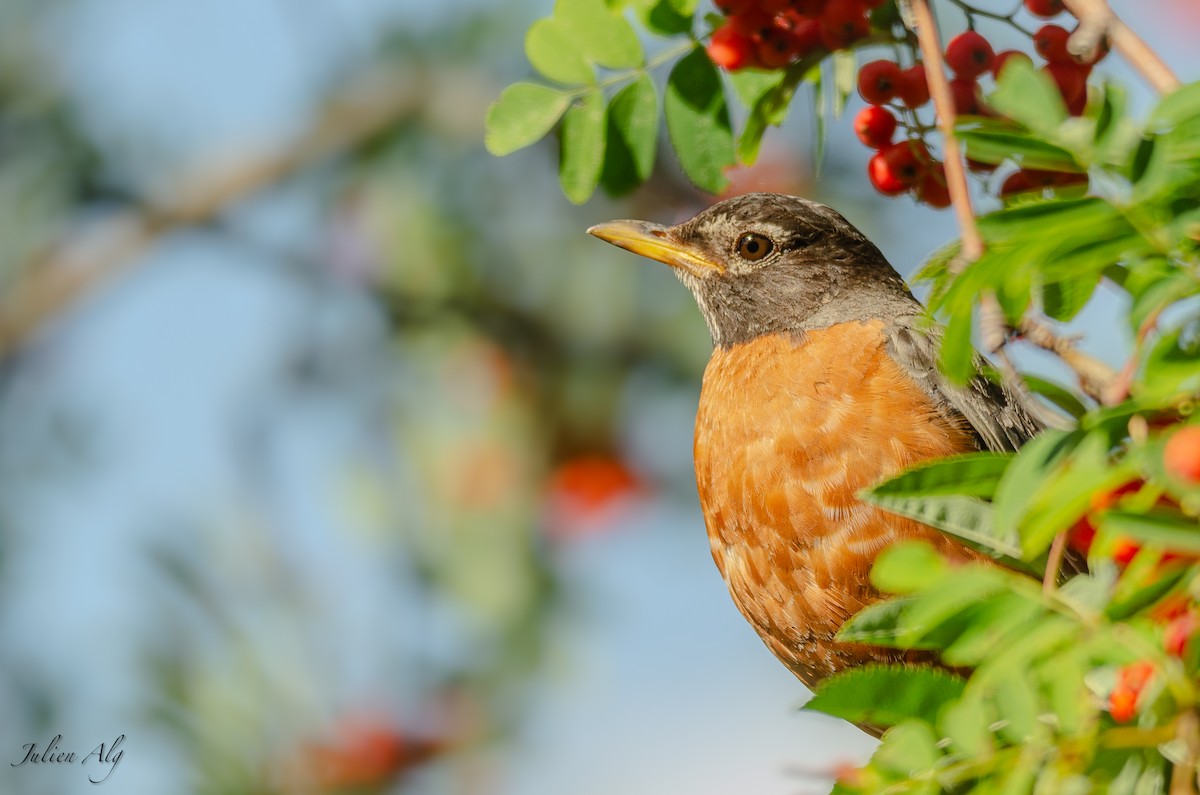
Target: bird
{"type": "Point", "coordinates": [823, 381]}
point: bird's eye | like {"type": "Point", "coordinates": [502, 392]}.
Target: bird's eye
{"type": "Point", "coordinates": [754, 247]}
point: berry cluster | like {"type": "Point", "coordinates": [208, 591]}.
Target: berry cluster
{"type": "Point", "coordinates": [770, 34]}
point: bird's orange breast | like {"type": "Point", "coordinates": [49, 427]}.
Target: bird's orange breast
{"type": "Point", "coordinates": [789, 429]}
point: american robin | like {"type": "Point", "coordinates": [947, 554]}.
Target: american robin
{"type": "Point", "coordinates": [823, 381]}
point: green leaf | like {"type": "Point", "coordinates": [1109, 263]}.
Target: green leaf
{"type": "Point", "coordinates": [698, 121]}
{"type": "Point", "coordinates": [770, 107]}
{"type": "Point", "coordinates": [1028, 97]}
{"type": "Point", "coordinates": [1181, 106]}
{"type": "Point", "coordinates": [957, 355]}
{"type": "Point", "coordinates": [909, 749]}
{"type": "Point", "coordinates": [972, 474]}
{"type": "Point", "coordinates": [939, 614]}
{"type": "Point", "coordinates": [886, 695]}
{"type": "Point", "coordinates": [667, 17]}
{"type": "Point", "coordinates": [1173, 364]}
{"type": "Point", "coordinates": [845, 79]}
{"type": "Point", "coordinates": [1063, 300]}
{"type": "Point", "coordinates": [879, 625]}
{"type": "Point", "coordinates": [522, 115]}
{"type": "Point", "coordinates": [1017, 705]}
{"type": "Point", "coordinates": [1170, 530]}
{"type": "Point", "coordinates": [1057, 394]}
{"type": "Point", "coordinates": [749, 85]}
{"type": "Point", "coordinates": [1052, 221]}
{"type": "Point", "coordinates": [991, 625]}
{"type": "Point", "coordinates": [967, 518]}
{"type": "Point", "coordinates": [994, 146]}
{"type": "Point", "coordinates": [632, 136]}
{"type": "Point", "coordinates": [602, 35]}
{"type": "Point", "coordinates": [555, 55]}
{"type": "Point", "coordinates": [907, 567]}
{"type": "Point", "coordinates": [965, 723]}
{"type": "Point", "coordinates": [582, 154]}
{"type": "Point", "coordinates": [1031, 468]}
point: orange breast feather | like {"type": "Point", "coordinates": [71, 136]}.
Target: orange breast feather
{"type": "Point", "coordinates": [789, 429]}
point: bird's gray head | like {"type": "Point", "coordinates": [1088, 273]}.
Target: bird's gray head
{"type": "Point", "coordinates": [765, 263]}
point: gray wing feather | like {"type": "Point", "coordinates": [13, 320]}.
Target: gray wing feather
{"type": "Point", "coordinates": [994, 411]}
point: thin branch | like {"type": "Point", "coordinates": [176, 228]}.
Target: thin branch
{"type": "Point", "coordinates": [1095, 377]}
{"type": "Point", "coordinates": [1118, 390]}
{"type": "Point", "coordinates": [1054, 563]}
{"type": "Point", "coordinates": [943, 103]}
{"type": "Point", "coordinates": [1097, 20]}
{"type": "Point", "coordinates": [93, 252]}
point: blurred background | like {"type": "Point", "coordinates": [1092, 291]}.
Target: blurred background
{"type": "Point", "coordinates": [335, 456]}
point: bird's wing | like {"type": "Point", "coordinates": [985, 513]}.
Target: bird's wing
{"type": "Point", "coordinates": [994, 411]}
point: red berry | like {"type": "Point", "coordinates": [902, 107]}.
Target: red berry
{"type": "Point", "coordinates": [730, 49]}
{"type": "Point", "coordinates": [1071, 80]}
{"type": "Point", "coordinates": [844, 22]}
{"type": "Point", "coordinates": [907, 160]}
{"type": "Point", "coordinates": [805, 32]}
{"type": "Point", "coordinates": [776, 48]}
{"type": "Point", "coordinates": [773, 6]}
{"type": "Point", "coordinates": [980, 167]}
{"type": "Point", "coordinates": [877, 81]}
{"type": "Point", "coordinates": [883, 177]}
{"type": "Point", "coordinates": [966, 96]}
{"type": "Point", "coordinates": [1044, 8]}
{"type": "Point", "coordinates": [809, 8]}
{"type": "Point", "coordinates": [1179, 632]}
{"type": "Point", "coordinates": [1131, 681]}
{"type": "Point", "coordinates": [1181, 456]}
{"type": "Point", "coordinates": [1003, 58]}
{"type": "Point", "coordinates": [932, 189]}
{"type": "Point", "coordinates": [874, 126]}
{"type": "Point", "coordinates": [911, 87]}
{"type": "Point", "coordinates": [1051, 43]}
{"type": "Point", "coordinates": [969, 55]}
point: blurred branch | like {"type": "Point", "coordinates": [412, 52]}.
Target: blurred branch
{"type": "Point", "coordinates": [1097, 21]}
{"type": "Point", "coordinates": [97, 249]}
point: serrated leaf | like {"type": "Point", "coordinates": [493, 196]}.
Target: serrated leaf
{"type": "Point", "coordinates": [907, 567]}
{"type": "Point", "coordinates": [602, 35]}
{"type": "Point", "coordinates": [632, 136]}
{"type": "Point", "coordinates": [698, 121]}
{"type": "Point", "coordinates": [522, 115]}
{"type": "Point", "coordinates": [971, 474]}
{"type": "Point", "coordinates": [552, 53]}
{"type": "Point", "coordinates": [1022, 478]}
{"type": "Point", "coordinates": [886, 695]}
{"type": "Point", "coordinates": [1028, 97]}
{"type": "Point", "coordinates": [967, 518]}
{"type": "Point", "coordinates": [1051, 220]}
{"type": "Point", "coordinates": [582, 153]}
{"type": "Point", "coordinates": [879, 625]}
{"type": "Point", "coordinates": [992, 146]}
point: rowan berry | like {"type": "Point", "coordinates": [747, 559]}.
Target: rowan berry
{"type": "Point", "coordinates": [1131, 681]}
{"type": "Point", "coordinates": [875, 126]}
{"type": "Point", "coordinates": [1181, 456]}
{"type": "Point", "coordinates": [775, 48]}
{"type": "Point", "coordinates": [1044, 8]}
{"type": "Point", "coordinates": [1071, 80]}
{"type": "Point", "coordinates": [883, 177]}
{"type": "Point", "coordinates": [843, 22]}
{"type": "Point", "coordinates": [932, 189]}
{"type": "Point", "coordinates": [1051, 43]}
{"type": "Point", "coordinates": [969, 55]}
{"type": "Point", "coordinates": [907, 160]}
{"type": "Point", "coordinates": [877, 81]}
{"type": "Point", "coordinates": [966, 95]}
{"type": "Point", "coordinates": [730, 49]}
{"type": "Point", "coordinates": [912, 88]}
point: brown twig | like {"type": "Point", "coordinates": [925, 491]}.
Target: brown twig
{"type": "Point", "coordinates": [1097, 20]}
{"type": "Point", "coordinates": [1054, 563]}
{"type": "Point", "coordinates": [1094, 375]}
{"type": "Point", "coordinates": [91, 253]}
{"type": "Point", "coordinates": [1183, 776]}
{"type": "Point", "coordinates": [921, 18]}
{"type": "Point", "coordinates": [1118, 390]}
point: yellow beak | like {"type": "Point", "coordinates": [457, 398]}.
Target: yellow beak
{"type": "Point", "coordinates": [657, 243]}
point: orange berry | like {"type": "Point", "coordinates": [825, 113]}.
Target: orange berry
{"type": "Point", "coordinates": [1181, 456]}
